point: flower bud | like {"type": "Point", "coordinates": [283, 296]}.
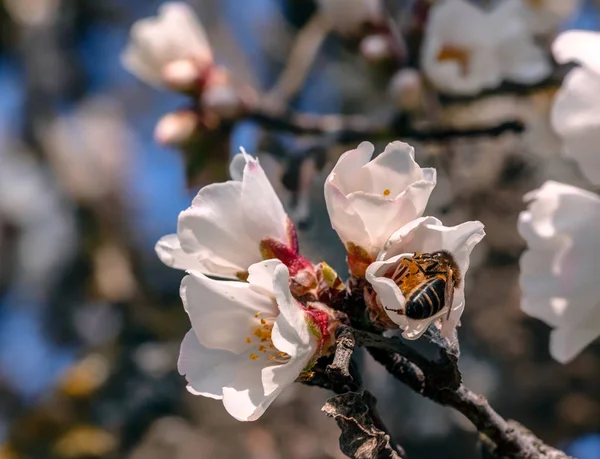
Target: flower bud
{"type": "Point", "coordinates": [406, 89]}
{"type": "Point", "coordinates": [176, 128]}
{"type": "Point", "coordinates": [182, 75]}
{"type": "Point", "coordinates": [375, 48]}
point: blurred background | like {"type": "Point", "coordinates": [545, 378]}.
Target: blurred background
{"type": "Point", "coordinates": [91, 321]}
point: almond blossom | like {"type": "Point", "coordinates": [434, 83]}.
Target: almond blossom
{"type": "Point", "coordinates": [368, 200]}
{"type": "Point", "coordinates": [467, 49]}
{"type": "Point", "coordinates": [171, 47]}
{"type": "Point", "coordinates": [423, 235]}
{"type": "Point", "coordinates": [249, 340]}
{"type": "Point", "coordinates": [575, 114]}
{"type": "Point", "coordinates": [233, 225]}
{"type": "Point", "coordinates": [545, 16]}
{"type": "Point", "coordinates": [559, 269]}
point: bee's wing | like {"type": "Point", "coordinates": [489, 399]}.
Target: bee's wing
{"type": "Point", "coordinates": [449, 292]}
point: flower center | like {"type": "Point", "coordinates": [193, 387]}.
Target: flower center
{"type": "Point", "coordinates": [459, 54]}
{"type": "Point", "coordinates": [406, 274]}
{"type": "Point", "coordinates": [261, 338]}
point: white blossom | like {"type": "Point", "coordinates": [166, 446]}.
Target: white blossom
{"type": "Point", "coordinates": [248, 340]}
{"type": "Point", "coordinates": [467, 49]}
{"type": "Point", "coordinates": [559, 270]}
{"type": "Point", "coordinates": [424, 235]}
{"type": "Point", "coordinates": [347, 16]}
{"type": "Point", "coordinates": [173, 36]}
{"type": "Point", "coordinates": [545, 16]}
{"type": "Point", "coordinates": [231, 226]}
{"type": "Point", "coordinates": [575, 114]}
{"type": "Point", "coordinates": [368, 200]}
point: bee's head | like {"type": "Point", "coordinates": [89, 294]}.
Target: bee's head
{"type": "Point", "coordinates": [445, 258]}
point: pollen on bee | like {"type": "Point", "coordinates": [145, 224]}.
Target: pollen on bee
{"type": "Point", "coordinates": [253, 356]}
{"type": "Point", "coordinates": [386, 192]}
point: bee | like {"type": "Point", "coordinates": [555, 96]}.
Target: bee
{"type": "Point", "coordinates": [427, 281]}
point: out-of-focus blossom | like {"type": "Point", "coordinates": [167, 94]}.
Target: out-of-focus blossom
{"type": "Point", "coordinates": [467, 49]}
{"type": "Point", "coordinates": [89, 149]}
{"type": "Point", "coordinates": [158, 46]}
{"type": "Point", "coordinates": [248, 340]}
{"type": "Point", "coordinates": [30, 202]}
{"type": "Point", "coordinates": [233, 225]}
{"type": "Point", "coordinates": [348, 16]}
{"type": "Point", "coordinates": [406, 89]}
{"type": "Point", "coordinates": [545, 16]}
{"type": "Point", "coordinates": [575, 114]}
{"type": "Point", "coordinates": [176, 128]}
{"type": "Point", "coordinates": [376, 48]}
{"type": "Point", "coordinates": [368, 200]}
{"type": "Point", "coordinates": [559, 269]}
{"type": "Point", "coordinates": [424, 235]}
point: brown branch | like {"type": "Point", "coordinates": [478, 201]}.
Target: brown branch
{"type": "Point", "coordinates": [507, 439]}
{"type": "Point", "coordinates": [363, 433]}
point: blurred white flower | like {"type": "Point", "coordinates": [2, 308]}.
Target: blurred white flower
{"type": "Point", "coordinates": [368, 200]}
{"type": "Point", "coordinates": [348, 16]}
{"type": "Point", "coordinates": [559, 269]}
{"type": "Point", "coordinates": [545, 16]}
{"type": "Point", "coordinates": [89, 149]}
{"type": "Point", "coordinates": [165, 45]}
{"type": "Point", "coordinates": [248, 340]}
{"type": "Point", "coordinates": [467, 49]}
{"type": "Point", "coordinates": [406, 89]}
{"type": "Point", "coordinates": [30, 202]}
{"type": "Point", "coordinates": [232, 225]}
{"type": "Point", "coordinates": [424, 235]}
{"type": "Point", "coordinates": [575, 114]}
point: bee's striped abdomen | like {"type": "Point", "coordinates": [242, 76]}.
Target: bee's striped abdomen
{"type": "Point", "coordinates": [427, 299]}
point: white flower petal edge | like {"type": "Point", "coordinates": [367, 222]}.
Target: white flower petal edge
{"type": "Point", "coordinates": [248, 340]}
{"type": "Point", "coordinates": [368, 200]}
{"type": "Point", "coordinates": [174, 34]}
{"type": "Point", "coordinates": [558, 280]}
{"type": "Point", "coordinates": [424, 235]}
{"type": "Point", "coordinates": [575, 112]}
{"type": "Point", "coordinates": [221, 233]}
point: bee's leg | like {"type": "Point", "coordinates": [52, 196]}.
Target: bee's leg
{"type": "Point", "coordinates": [401, 311]}
{"type": "Point", "coordinates": [449, 294]}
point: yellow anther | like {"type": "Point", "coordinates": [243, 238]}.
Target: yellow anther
{"type": "Point", "coordinates": [253, 356]}
{"type": "Point", "coordinates": [386, 192]}
{"type": "Point", "coordinates": [262, 348]}
{"type": "Point", "coordinates": [272, 346]}
{"type": "Point", "coordinates": [272, 357]}
{"type": "Point", "coordinates": [263, 321]}
{"type": "Point", "coordinates": [257, 314]}
{"type": "Point", "coordinates": [248, 340]}
{"type": "Point", "coordinates": [266, 327]}
{"type": "Point", "coordinates": [281, 354]}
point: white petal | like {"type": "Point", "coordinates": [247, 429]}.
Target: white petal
{"type": "Point", "coordinates": [262, 275]}
{"type": "Point", "coordinates": [291, 322]}
{"type": "Point", "coordinates": [170, 253]}
{"type": "Point", "coordinates": [206, 370]}
{"type": "Point", "coordinates": [523, 61]}
{"type": "Point", "coordinates": [346, 221]}
{"type": "Point", "coordinates": [575, 116]}
{"type": "Point", "coordinates": [387, 291]}
{"type": "Point", "coordinates": [214, 228]}
{"type": "Point", "coordinates": [222, 312]}
{"type": "Point", "coordinates": [263, 212]}
{"type": "Point", "coordinates": [247, 404]}
{"type": "Point", "coordinates": [560, 227]}
{"type": "Point", "coordinates": [578, 46]}
{"type": "Point", "coordinates": [567, 342]}
{"type": "Point", "coordinates": [346, 174]}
